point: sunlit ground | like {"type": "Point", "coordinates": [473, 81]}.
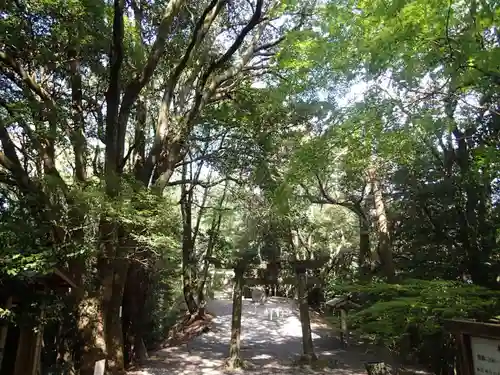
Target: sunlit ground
{"type": "Point", "coordinates": [271, 340]}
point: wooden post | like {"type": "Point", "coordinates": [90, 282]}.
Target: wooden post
{"type": "Point", "coordinates": [29, 349]}
{"type": "Point", "coordinates": [344, 332]}
{"type": "Point", "coordinates": [210, 285]}
{"type": "Point", "coordinates": [234, 360]}
{"type": "Point", "coordinates": [307, 343]}
{"type": "Point", "coordinates": [25, 359]}
{"type": "Point", "coordinates": [37, 350]}
{"type": "Point", "coordinates": [3, 331]}
{"type": "Point", "coordinates": [301, 267]}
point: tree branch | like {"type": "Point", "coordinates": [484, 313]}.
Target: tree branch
{"type": "Point", "coordinates": [203, 184]}
{"type": "Point", "coordinates": [135, 87]}
{"type": "Point", "coordinates": [178, 138]}
{"type": "Point", "coordinates": [113, 149]}
{"type": "Point", "coordinates": [10, 161]}
{"type": "Point", "coordinates": [25, 77]}
{"type": "Point", "coordinates": [326, 198]}
{"type": "Point", "coordinates": [6, 178]}
{"type": "Point", "coordinates": [77, 134]}
{"type": "Point", "coordinates": [256, 18]}
{"type": "Point", "coordinates": [201, 29]}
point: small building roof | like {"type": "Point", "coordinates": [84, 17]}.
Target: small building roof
{"type": "Point", "coordinates": [341, 302]}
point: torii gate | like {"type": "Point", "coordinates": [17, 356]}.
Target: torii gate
{"type": "Point", "coordinates": [270, 278]}
{"type": "Point", "coordinates": [301, 280]}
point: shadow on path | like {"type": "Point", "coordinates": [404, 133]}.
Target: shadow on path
{"type": "Point", "coordinates": [271, 339]}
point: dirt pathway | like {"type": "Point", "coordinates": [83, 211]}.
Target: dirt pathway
{"type": "Point", "coordinates": [271, 339]}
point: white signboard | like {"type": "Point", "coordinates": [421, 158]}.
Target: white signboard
{"type": "Point", "coordinates": [99, 367]}
{"type": "Point", "coordinates": [486, 356]}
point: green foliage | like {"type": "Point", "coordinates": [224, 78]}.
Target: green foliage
{"type": "Point", "coordinates": [165, 303]}
{"type": "Point", "coordinates": [24, 251]}
{"type": "Point", "coordinates": [408, 317]}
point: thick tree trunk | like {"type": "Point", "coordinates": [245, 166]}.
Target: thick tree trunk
{"type": "Point", "coordinates": [305, 321]}
{"type": "Point", "coordinates": [112, 270]}
{"type": "Point", "coordinates": [87, 305]}
{"type": "Point", "coordinates": [234, 360]}
{"type": "Point", "coordinates": [134, 302]}
{"type": "Point", "coordinates": [113, 321]}
{"type": "Point", "coordinates": [91, 328]}
{"type": "Point", "coordinates": [384, 241]}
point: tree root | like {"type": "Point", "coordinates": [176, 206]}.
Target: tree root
{"type": "Point", "coordinates": [315, 363]}
{"type": "Point", "coordinates": [378, 368]}
{"type": "Point", "coordinates": [306, 360]}
{"type": "Point", "coordinates": [189, 327]}
{"type": "Point", "coordinates": [234, 363]}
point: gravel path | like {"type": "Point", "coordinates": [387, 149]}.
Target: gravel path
{"type": "Point", "coordinates": [271, 340]}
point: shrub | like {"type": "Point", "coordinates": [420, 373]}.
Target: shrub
{"type": "Point", "coordinates": [408, 317]}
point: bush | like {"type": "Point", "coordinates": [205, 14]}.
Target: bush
{"type": "Point", "coordinates": [408, 317]}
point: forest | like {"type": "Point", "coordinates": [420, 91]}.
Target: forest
{"type": "Point", "coordinates": [145, 144]}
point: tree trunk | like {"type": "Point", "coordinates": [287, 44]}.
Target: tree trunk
{"type": "Point", "coordinates": [68, 352]}
{"type": "Point", "coordinates": [187, 279]}
{"type": "Point", "coordinates": [203, 281]}
{"type": "Point", "coordinates": [113, 321]}
{"type": "Point", "coordinates": [212, 240]}
{"type": "Point", "coordinates": [188, 261]}
{"type": "Point", "coordinates": [364, 249]}
{"type": "Point", "coordinates": [89, 320]}
{"type": "Point", "coordinates": [234, 360]}
{"type": "Point", "coordinates": [384, 241]}
{"type": "Point", "coordinates": [112, 270]}
{"type": "Point", "coordinates": [91, 328]}
{"type": "Point", "coordinates": [139, 319]}
{"type": "Point", "coordinates": [134, 301]}
{"type": "Point", "coordinates": [305, 321]}
{"type": "Point", "coordinates": [476, 232]}
{"type": "Point", "coordinates": [206, 265]}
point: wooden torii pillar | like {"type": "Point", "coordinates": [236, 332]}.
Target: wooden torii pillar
{"type": "Point", "coordinates": [301, 280]}
{"type": "Point", "coordinates": [300, 267]}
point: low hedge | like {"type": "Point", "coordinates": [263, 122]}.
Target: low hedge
{"type": "Point", "coordinates": [408, 317]}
